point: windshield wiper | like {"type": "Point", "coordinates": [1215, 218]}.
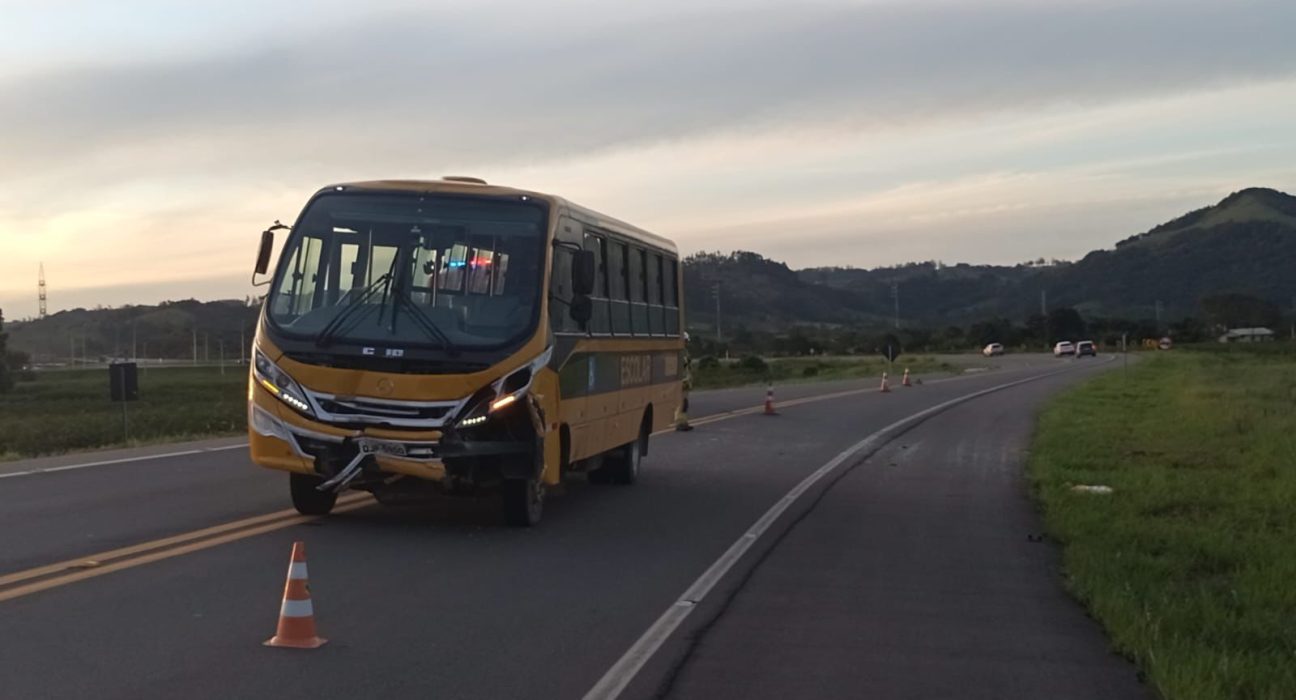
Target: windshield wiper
{"type": "Point", "coordinates": [427, 324]}
{"type": "Point", "coordinates": [331, 329]}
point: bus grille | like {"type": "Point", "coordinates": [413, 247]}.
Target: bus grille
{"type": "Point", "coordinates": [360, 410]}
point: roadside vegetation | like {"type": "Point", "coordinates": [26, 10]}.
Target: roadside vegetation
{"type": "Point", "coordinates": [712, 373]}
{"type": "Point", "coordinates": [60, 411]}
{"type": "Point", "coordinates": [69, 410]}
{"type": "Point", "coordinates": [1190, 563]}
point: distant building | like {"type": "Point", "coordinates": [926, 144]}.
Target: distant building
{"type": "Point", "coordinates": [1247, 335]}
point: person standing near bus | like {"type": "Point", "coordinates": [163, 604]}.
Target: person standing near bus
{"type": "Point", "coordinates": [681, 413]}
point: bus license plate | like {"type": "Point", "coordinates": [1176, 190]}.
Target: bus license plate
{"type": "Point", "coordinates": [381, 447]}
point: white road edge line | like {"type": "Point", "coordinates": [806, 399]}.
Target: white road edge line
{"type": "Point", "coordinates": [611, 685]}
{"type": "Point", "coordinates": [124, 460]}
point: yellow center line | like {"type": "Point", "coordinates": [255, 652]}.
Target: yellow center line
{"type": "Point", "coordinates": [82, 568]}
{"type": "Point", "coordinates": [83, 574]}
{"type": "Point", "coordinates": [101, 557]}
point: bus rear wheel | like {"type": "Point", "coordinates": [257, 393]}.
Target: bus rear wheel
{"type": "Point", "coordinates": [307, 498]}
{"type": "Point", "coordinates": [622, 465]}
{"type": "Point", "coordinates": [523, 501]}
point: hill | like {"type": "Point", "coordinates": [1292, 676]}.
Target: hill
{"type": "Point", "coordinates": [170, 330]}
{"type": "Point", "coordinates": [1244, 244]}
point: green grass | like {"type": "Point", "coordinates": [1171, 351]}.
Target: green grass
{"type": "Point", "coordinates": [69, 410]}
{"type": "Point", "coordinates": [66, 411]}
{"type": "Point", "coordinates": [1191, 563]}
{"type": "Point", "coordinates": [805, 369]}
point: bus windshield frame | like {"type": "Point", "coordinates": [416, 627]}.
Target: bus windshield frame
{"type": "Point", "coordinates": [432, 273]}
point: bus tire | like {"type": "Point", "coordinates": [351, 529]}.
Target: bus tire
{"type": "Point", "coordinates": [623, 465]}
{"type": "Point", "coordinates": [306, 498]}
{"type": "Point", "coordinates": [523, 501]}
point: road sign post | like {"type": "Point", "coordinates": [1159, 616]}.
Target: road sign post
{"type": "Point", "coordinates": [123, 386]}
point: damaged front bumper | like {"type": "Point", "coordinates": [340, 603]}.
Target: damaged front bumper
{"type": "Point", "coordinates": [360, 459]}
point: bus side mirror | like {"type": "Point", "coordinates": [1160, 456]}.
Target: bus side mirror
{"type": "Point", "coordinates": [263, 256]}
{"type": "Point", "coordinates": [581, 309]}
{"type": "Point", "coordinates": [583, 273]}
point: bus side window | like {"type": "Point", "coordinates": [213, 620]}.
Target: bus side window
{"type": "Point", "coordinates": [618, 287]}
{"type": "Point", "coordinates": [670, 287]}
{"type": "Point", "coordinates": [638, 304]}
{"type": "Point", "coordinates": [656, 320]}
{"type": "Point", "coordinates": [602, 320]}
{"type": "Point", "coordinates": [560, 291]}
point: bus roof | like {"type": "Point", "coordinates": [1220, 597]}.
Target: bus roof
{"type": "Point", "coordinates": [466, 185]}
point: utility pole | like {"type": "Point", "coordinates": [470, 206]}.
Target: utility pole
{"type": "Point", "coordinates": [220, 344]}
{"type": "Point", "coordinates": [1125, 355]}
{"type": "Point", "coordinates": [195, 345]}
{"type": "Point", "coordinates": [895, 297]}
{"type": "Point", "coordinates": [716, 291]}
{"type": "Point", "coordinates": [206, 347]}
{"type": "Point", "coordinates": [41, 289]}
{"type": "Point", "coordinates": [1044, 315]}
{"type": "Point", "coordinates": [134, 338]}
{"type": "Point", "coordinates": [242, 347]}
{"type": "Point", "coordinates": [1158, 315]}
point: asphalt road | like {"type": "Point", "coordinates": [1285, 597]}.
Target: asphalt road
{"type": "Point", "coordinates": [903, 571]}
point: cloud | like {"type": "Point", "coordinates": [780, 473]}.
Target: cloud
{"type": "Point", "coordinates": [406, 91]}
{"type": "Point", "coordinates": [676, 117]}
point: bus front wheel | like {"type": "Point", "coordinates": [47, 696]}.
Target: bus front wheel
{"type": "Point", "coordinates": [306, 498]}
{"type": "Point", "coordinates": [523, 501]}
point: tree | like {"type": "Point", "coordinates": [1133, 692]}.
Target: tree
{"type": "Point", "coordinates": [1037, 329]}
{"type": "Point", "coordinates": [999, 330]}
{"type": "Point", "coordinates": [1065, 323]}
{"type": "Point", "coordinates": [889, 346]}
{"type": "Point", "coordinates": [1239, 311]}
{"type": "Point", "coordinates": [6, 376]}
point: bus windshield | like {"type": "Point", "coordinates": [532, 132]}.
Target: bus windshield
{"type": "Point", "coordinates": [412, 271]}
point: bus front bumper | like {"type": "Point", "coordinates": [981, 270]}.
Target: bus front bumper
{"type": "Point", "coordinates": [324, 450]}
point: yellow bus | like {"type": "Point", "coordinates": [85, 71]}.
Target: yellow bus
{"type": "Point", "coordinates": [456, 337]}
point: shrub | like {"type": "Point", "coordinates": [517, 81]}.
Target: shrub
{"type": "Point", "coordinates": [752, 363]}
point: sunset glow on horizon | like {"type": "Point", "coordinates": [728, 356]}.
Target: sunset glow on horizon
{"type": "Point", "coordinates": [147, 145]}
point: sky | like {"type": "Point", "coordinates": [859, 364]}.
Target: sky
{"type": "Point", "coordinates": [144, 145]}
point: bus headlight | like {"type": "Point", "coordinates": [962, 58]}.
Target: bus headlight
{"type": "Point", "coordinates": [501, 394]}
{"type": "Point", "coordinates": [487, 406]}
{"type": "Point", "coordinates": [277, 382]}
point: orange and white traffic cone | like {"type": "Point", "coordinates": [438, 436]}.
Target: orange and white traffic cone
{"type": "Point", "coordinates": [905, 381]}
{"type": "Point", "coordinates": [886, 387]}
{"type": "Point", "coordinates": [296, 616]}
{"type": "Point", "coordinates": [769, 401]}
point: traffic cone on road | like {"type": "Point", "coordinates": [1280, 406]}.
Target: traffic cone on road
{"type": "Point", "coordinates": [296, 616]}
{"type": "Point", "coordinates": [905, 381]}
{"type": "Point", "coordinates": [886, 387]}
{"type": "Point", "coordinates": [769, 401]}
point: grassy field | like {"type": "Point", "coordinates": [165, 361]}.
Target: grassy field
{"type": "Point", "coordinates": [1191, 562]}
{"type": "Point", "coordinates": [69, 410]}
{"type": "Point", "coordinates": [707, 375]}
